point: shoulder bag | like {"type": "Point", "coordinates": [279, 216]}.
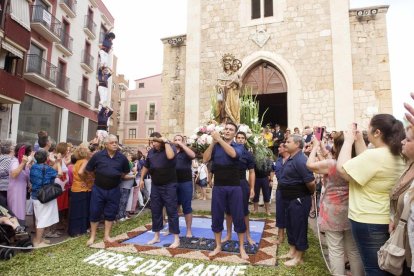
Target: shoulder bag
{"type": "Point", "coordinates": [391, 255]}
{"type": "Point", "coordinates": [49, 191]}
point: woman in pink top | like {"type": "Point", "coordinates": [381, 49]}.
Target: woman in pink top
{"type": "Point", "coordinates": [333, 216]}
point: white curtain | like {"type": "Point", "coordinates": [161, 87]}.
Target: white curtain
{"type": "Point", "coordinates": [20, 12]}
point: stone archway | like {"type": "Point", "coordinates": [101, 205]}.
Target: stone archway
{"type": "Point", "coordinates": [269, 86]}
{"type": "Point", "coordinates": [291, 78]}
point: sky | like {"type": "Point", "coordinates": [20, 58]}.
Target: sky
{"type": "Point", "coordinates": [140, 25]}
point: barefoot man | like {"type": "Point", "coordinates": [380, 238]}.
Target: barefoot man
{"type": "Point", "coordinates": [296, 185]}
{"type": "Point", "coordinates": [185, 156]}
{"type": "Point", "coordinates": [227, 191]}
{"type": "Point", "coordinates": [161, 163]}
{"type": "Point", "coordinates": [109, 166]}
{"type": "Point", "coordinates": [247, 163]}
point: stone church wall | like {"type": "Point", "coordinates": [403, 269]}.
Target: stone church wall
{"type": "Point", "coordinates": [370, 63]}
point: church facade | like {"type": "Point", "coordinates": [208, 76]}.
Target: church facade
{"type": "Point", "coordinates": [313, 62]}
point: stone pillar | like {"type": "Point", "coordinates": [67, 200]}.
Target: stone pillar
{"type": "Point", "coordinates": [192, 78]}
{"type": "Point", "coordinates": [342, 64]}
{"type": "Point", "coordinates": [64, 125]}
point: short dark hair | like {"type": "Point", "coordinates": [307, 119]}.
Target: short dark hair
{"type": "Point", "coordinates": [233, 124]}
{"type": "Point", "coordinates": [242, 133]}
{"type": "Point", "coordinates": [41, 156]}
{"type": "Point", "coordinates": [110, 35]}
{"type": "Point", "coordinates": [43, 141]}
{"type": "Point", "coordinates": [155, 134]}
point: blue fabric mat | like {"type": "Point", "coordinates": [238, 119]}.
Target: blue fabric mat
{"type": "Point", "coordinates": [201, 228]}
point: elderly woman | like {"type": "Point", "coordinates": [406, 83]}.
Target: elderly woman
{"type": "Point", "coordinates": [371, 175]}
{"type": "Point", "coordinates": [18, 178]}
{"type": "Point", "coordinates": [80, 194]}
{"type": "Point", "coordinates": [46, 213]}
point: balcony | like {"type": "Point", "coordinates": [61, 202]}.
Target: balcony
{"type": "Point", "coordinates": [87, 61]}
{"type": "Point", "coordinates": [12, 88]}
{"type": "Point", "coordinates": [45, 24]}
{"type": "Point", "coordinates": [84, 98]}
{"type": "Point", "coordinates": [89, 27]}
{"type": "Point", "coordinates": [62, 85]}
{"type": "Point", "coordinates": [65, 44]}
{"type": "Point", "coordinates": [40, 71]}
{"type": "Point", "coordinates": [69, 6]}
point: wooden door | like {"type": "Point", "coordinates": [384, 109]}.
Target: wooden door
{"type": "Point", "coordinates": [265, 79]}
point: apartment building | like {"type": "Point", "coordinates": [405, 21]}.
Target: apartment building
{"type": "Point", "coordinates": [58, 68]}
{"type": "Point", "coordinates": [140, 111]}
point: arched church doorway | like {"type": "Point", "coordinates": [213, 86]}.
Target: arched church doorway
{"type": "Point", "coordinates": [269, 87]}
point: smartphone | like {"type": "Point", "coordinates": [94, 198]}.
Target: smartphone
{"type": "Point", "coordinates": [319, 131]}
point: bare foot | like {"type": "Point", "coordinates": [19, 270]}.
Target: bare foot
{"type": "Point", "coordinates": [251, 242]}
{"type": "Point", "coordinates": [215, 252]}
{"type": "Point", "coordinates": [154, 240]}
{"type": "Point", "coordinates": [243, 255]}
{"type": "Point", "coordinates": [90, 242]}
{"type": "Point", "coordinates": [189, 234]}
{"type": "Point", "coordinates": [175, 244]}
{"type": "Point", "coordinates": [225, 239]}
{"type": "Point", "coordinates": [293, 262]}
{"type": "Point", "coordinates": [286, 256]}
{"type": "Point", "coordinates": [268, 214]}
{"type": "Point", "coordinates": [109, 240]}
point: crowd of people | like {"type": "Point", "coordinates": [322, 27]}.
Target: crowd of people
{"type": "Point", "coordinates": [366, 179]}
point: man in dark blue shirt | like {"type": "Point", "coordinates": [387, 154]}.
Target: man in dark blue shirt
{"type": "Point", "coordinates": [109, 166]}
{"type": "Point", "coordinates": [227, 191]}
{"type": "Point", "coordinates": [296, 184]}
{"type": "Point", "coordinates": [160, 163]}
{"type": "Point", "coordinates": [184, 157]}
{"type": "Point", "coordinates": [280, 206]}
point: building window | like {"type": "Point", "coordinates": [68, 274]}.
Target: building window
{"type": "Point", "coordinates": [132, 133]}
{"type": "Point", "coordinates": [92, 127]}
{"type": "Point", "coordinates": [102, 33]}
{"type": "Point", "coordinates": [141, 85]}
{"type": "Point", "coordinates": [150, 131]}
{"type": "Point", "coordinates": [133, 112]}
{"type": "Point", "coordinates": [43, 116]}
{"type": "Point", "coordinates": [260, 7]}
{"type": "Point", "coordinates": [75, 129]}
{"type": "Point", "coordinates": [151, 114]}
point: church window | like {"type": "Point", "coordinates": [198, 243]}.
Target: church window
{"type": "Point", "coordinates": [268, 8]}
{"type": "Point", "coordinates": [261, 8]}
{"type": "Point", "coordinates": [255, 9]}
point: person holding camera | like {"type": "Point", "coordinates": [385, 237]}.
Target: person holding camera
{"type": "Point", "coordinates": [161, 164]}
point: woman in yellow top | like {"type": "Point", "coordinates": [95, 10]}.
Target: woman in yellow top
{"type": "Point", "coordinates": [80, 194]}
{"type": "Point", "coordinates": [371, 175]}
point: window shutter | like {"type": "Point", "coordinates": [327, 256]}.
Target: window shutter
{"type": "Point", "coordinates": [20, 13]}
{"type": "Point", "coordinates": [133, 108]}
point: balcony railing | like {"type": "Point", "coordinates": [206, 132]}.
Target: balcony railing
{"type": "Point", "coordinates": [87, 61]}
{"type": "Point", "coordinates": [42, 16]}
{"type": "Point", "coordinates": [62, 83]}
{"type": "Point", "coordinates": [69, 6]}
{"type": "Point", "coordinates": [90, 26]}
{"type": "Point", "coordinates": [85, 95]}
{"type": "Point", "coordinates": [36, 64]}
{"type": "Point", "coordinates": [66, 41]}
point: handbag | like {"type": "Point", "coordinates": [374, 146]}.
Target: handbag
{"type": "Point", "coordinates": [391, 255]}
{"type": "Point", "coordinates": [48, 192]}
